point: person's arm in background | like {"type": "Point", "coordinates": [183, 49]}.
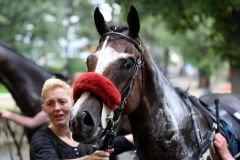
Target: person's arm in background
{"type": "Point", "coordinates": [29, 122]}
{"type": "Point", "coordinates": [221, 145]}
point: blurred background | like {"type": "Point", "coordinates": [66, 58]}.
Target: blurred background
{"type": "Point", "coordinates": [196, 43]}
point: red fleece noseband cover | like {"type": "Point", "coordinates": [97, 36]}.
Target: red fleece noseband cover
{"type": "Point", "coordinates": [99, 85]}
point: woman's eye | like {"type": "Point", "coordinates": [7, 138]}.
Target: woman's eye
{"type": "Point", "coordinates": [62, 102]}
{"type": "Point", "coordinates": [50, 104]}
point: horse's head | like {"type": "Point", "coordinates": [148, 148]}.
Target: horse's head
{"type": "Point", "coordinates": [117, 63]}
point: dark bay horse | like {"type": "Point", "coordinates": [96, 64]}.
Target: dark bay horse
{"type": "Point", "coordinates": [164, 123]}
{"type": "Point", "coordinates": [24, 79]}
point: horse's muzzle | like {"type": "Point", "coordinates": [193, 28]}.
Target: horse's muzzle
{"type": "Point", "coordinates": [82, 127]}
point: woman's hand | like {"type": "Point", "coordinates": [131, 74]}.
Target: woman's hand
{"type": "Point", "coordinates": [98, 155]}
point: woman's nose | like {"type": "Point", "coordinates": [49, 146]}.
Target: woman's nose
{"type": "Point", "coordinates": [57, 106]}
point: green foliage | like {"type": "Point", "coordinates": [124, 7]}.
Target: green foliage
{"type": "Point", "coordinates": [182, 16]}
{"type": "Point", "coordinates": [35, 28]}
{"type": "Point", "coordinates": [75, 65]}
{"type": "Point", "coordinates": [32, 26]}
{"type": "Point", "coordinates": [3, 89]}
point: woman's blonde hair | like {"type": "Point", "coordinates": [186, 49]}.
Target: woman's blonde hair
{"type": "Point", "coordinates": [53, 83]}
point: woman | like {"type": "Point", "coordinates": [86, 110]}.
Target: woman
{"type": "Point", "coordinates": [38, 120]}
{"type": "Point", "coordinates": [55, 141]}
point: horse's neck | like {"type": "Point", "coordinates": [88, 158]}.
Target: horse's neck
{"type": "Point", "coordinates": [23, 79]}
{"type": "Point", "coordinates": [164, 99]}
{"type": "Point", "coordinates": [161, 115]}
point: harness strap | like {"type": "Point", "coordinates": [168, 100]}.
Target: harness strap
{"type": "Point", "coordinates": [109, 132]}
{"type": "Point", "coordinates": [203, 145]}
{"type": "Point", "coordinates": [189, 105]}
{"type": "Point", "coordinates": [130, 85]}
{"type": "Point", "coordinates": [138, 65]}
{"type": "Point", "coordinates": [136, 43]}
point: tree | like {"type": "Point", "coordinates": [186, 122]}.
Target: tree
{"type": "Point", "coordinates": [45, 30]}
{"type": "Point", "coordinates": [182, 16]}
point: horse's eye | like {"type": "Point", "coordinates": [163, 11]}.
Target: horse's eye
{"type": "Point", "coordinates": [129, 63]}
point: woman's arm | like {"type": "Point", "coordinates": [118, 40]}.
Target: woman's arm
{"type": "Point", "coordinates": [29, 122]}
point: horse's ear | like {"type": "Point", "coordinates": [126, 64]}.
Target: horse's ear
{"type": "Point", "coordinates": [133, 22]}
{"type": "Point", "coordinates": [100, 22]}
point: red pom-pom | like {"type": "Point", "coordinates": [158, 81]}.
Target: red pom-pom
{"type": "Point", "coordinates": [99, 85]}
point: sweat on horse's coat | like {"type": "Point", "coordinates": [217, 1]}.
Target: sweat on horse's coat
{"type": "Point", "coordinates": [161, 122]}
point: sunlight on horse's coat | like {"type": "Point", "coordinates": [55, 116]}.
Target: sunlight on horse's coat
{"type": "Point", "coordinates": [174, 109]}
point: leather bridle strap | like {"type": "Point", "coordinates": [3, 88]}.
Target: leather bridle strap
{"type": "Point", "coordinates": [135, 42]}
{"type": "Point", "coordinates": [130, 85]}
{"type": "Point", "coordinates": [139, 63]}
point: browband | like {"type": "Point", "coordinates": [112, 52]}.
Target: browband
{"type": "Point", "coordinates": [136, 43]}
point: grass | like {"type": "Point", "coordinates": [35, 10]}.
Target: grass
{"type": "Point", "coordinates": [3, 89]}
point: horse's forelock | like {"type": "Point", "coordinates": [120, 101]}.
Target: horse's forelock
{"type": "Point", "coordinates": [119, 29]}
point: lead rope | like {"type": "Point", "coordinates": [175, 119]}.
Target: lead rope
{"type": "Point", "coordinates": [106, 138]}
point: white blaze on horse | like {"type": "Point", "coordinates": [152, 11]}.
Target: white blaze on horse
{"type": "Point", "coordinates": [124, 79]}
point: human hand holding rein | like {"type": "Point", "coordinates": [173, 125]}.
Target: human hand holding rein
{"type": "Point", "coordinates": [222, 147]}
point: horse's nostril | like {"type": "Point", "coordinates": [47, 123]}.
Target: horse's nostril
{"type": "Point", "coordinates": [87, 119]}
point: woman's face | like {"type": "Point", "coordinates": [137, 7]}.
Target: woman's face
{"type": "Point", "coordinates": [57, 105]}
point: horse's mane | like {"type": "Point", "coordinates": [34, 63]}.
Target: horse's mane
{"type": "Point", "coordinates": [15, 52]}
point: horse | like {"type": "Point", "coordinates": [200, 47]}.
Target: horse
{"type": "Point", "coordinates": [24, 79]}
{"type": "Point", "coordinates": [123, 78]}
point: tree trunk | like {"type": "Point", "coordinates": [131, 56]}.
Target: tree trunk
{"type": "Point", "coordinates": [204, 79]}
{"type": "Point", "coordinates": [235, 78]}
{"type": "Point", "coordinates": [166, 61]}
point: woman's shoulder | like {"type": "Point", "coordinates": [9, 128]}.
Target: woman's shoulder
{"type": "Point", "coordinates": [43, 135]}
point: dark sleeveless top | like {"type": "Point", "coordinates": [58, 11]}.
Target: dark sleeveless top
{"type": "Point", "coordinates": [45, 145]}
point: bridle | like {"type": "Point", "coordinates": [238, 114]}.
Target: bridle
{"type": "Point", "coordinates": [138, 65]}
{"type": "Point", "coordinates": [109, 132]}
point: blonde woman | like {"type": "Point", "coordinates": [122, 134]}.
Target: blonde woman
{"type": "Point", "coordinates": [55, 141]}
